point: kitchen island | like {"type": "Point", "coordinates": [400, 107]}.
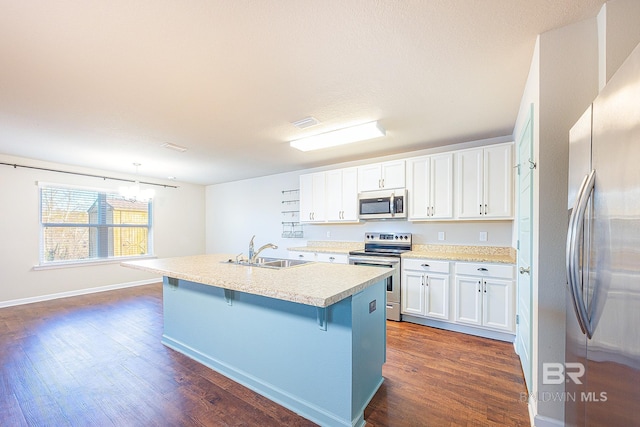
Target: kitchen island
{"type": "Point", "coordinates": [311, 337]}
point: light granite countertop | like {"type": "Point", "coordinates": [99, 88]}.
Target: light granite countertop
{"type": "Point", "coordinates": [329, 247]}
{"type": "Point", "coordinates": [490, 254]}
{"type": "Point", "coordinates": [316, 284]}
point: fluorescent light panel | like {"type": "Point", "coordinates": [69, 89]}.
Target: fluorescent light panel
{"type": "Point", "coordinates": [339, 137]}
{"type": "Point", "coordinates": [174, 147]}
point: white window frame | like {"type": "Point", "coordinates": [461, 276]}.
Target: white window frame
{"type": "Point", "coordinates": [44, 264]}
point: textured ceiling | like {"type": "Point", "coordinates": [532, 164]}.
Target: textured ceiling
{"type": "Point", "coordinates": [104, 84]}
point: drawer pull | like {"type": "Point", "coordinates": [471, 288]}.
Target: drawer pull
{"type": "Point", "coordinates": [482, 269]}
{"type": "Point", "coordinates": [425, 265]}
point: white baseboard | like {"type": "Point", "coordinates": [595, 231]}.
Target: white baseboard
{"type": "Point", "coordinates": [41, 298]}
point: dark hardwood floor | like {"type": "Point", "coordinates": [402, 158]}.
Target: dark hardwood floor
{"type": "Point", "coordinates": [97, 360]}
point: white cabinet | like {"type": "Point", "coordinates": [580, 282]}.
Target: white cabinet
{"type": "Point", "coordinates": [337, 258]}
{"type": "Point", "coordinates": [484, 295]}
{"type": "Point", "coordinates": [312, 197]}
{"type": "Point", "coordinates": [430, 187]}
{"type": "Point", "coordinates": [485, 182]}
{"type": "Point", "coordinates": [341, 189]}
{"type": "Point", "coordinates": [425, 288]}
{"type": "Point", "coordinates": [381, 175]}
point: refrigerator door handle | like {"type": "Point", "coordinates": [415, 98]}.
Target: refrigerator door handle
{"type": "Point", "coordinates": [570, 250]}
{"type": "Point", "coordinates": [576, 227]}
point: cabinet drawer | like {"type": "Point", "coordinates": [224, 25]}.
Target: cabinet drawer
{"type": "Point", "coordinates": [504, 271]}
{"type": "Point", "coordinates": [307, 256]}
{"type": "Point", "coordinates": [331, 257]}
{"type": "Point", "coordinates": [426, 265]}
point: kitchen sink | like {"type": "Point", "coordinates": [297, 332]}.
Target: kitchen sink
{"type": "Point", "coordinates": [275, 263]}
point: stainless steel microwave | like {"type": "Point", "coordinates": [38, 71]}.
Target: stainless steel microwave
{"type": "Point", "coordinates": [385, 204]}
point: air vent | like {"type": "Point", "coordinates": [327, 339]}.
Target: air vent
{"type": "Point", "coordinates": [174, 147]}
{"type": "Point", "coordinates": [307, 122]}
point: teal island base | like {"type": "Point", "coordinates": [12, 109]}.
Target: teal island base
{"type": "Point", "coordinates": [324, 363]}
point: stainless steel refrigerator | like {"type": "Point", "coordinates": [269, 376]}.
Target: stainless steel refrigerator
{"type": "Point", "coordinates": [602, 366]}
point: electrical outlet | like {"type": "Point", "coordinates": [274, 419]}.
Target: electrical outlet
{"type": "Point", "coordinates": [483, 236]}
{"type": "Point", "coordinates": [440, 235]}
{"type": "Point", "coordinates": [328, 234]}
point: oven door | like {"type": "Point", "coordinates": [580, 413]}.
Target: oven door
{"type": "Point", "coordinates": [392, 282]}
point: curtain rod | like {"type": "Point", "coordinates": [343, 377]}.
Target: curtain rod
{"type": "Point", "coordinates": [86, 174]}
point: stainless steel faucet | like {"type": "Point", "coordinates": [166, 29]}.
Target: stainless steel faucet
{"type": "Point", "coordinates": [252, 260]}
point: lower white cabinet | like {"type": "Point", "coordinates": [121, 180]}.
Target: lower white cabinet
{"type": "Point", "coordinates": [425, 288]}
{"type": "Point", "coordinates": [337, 258]}
{"type": "Point", "coordinates": [482, 299]}
{"type": "Point", "coordinates": [470, 297]}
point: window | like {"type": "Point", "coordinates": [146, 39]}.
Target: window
{"type": "Point", "coordinates": [85, 225]}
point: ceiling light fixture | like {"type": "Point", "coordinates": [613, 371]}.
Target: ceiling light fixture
{"type": "Point", "coordinates": [174, 147]}
{"type": "Point", "coordinates": [339, 137]}
{"type": "Point", "coordinates": [134, 193]}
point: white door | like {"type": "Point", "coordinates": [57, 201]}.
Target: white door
{"type": "Point", "coordinates": [318, 214]}
{"type": "Point", "coordinates": [498, 181]}
{"type": "Point", "coordinates": [306, 197]}
{"type": "Point", "coordinates": [418, 176]}
{"type": "Point", "coordinates": [441, 186]}
{"type": "Point", "coordinates": [369, 177]}
{"type": "Point", "coordinates": [413, 292]}
{"type": "Point", "coordinates": [470, 183]}
{"type": "Point", "coordinates": [468, 300]}
{"type": "Point", "coordinates": [333, 183]}
{"type": "Point", "coordinates": [392, 174]}
{"type": "Point", "coordinates": [350, 194]}
{"type": "Point", "coordinates": [497, 304]}
{"type": "Point", "coordinates": [524, 224]}
{"type": "Point", "coordinates": [437, 305]}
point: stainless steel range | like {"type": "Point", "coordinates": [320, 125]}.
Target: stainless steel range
{"type": "Point", "coordinates": [384, 250]}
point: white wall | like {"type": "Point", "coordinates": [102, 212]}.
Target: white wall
{"type": "Point", "coordinates": [619, 35]}
{"type": "Point", "coordinates": [238, 210]}
{"type": "Point", "coordinates": [178, 229]}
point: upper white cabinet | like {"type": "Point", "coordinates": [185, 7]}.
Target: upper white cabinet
{"type": "Point", "coordinates": [430, 186]}
{"type": "Point", "coordinates": [342, 195]}
{"type": "Point", "coordinates": [485, 182]}
{"type": "Point", "coordinates": [312, 197]}
{"type": "Point", "coordinates": [381, 175]}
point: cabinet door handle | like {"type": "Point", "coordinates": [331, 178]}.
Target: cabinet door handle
{"type": "Point", "coordinates": [479, 286]}
{"type": "Point", "coordinates": [379, 183]}
{"type": "Point", "coordinates": [482, 269]}
{"type": "Point", "coordinates": [484, 286]}
{"type": "Point", "coordinates": [382, 182]}
{"type": "Point", "coordinates": [426, 280]}
{"type": "Point", "coordinates": [485, 208]}
{"type": "Point", "coordinates": [481, 209]}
